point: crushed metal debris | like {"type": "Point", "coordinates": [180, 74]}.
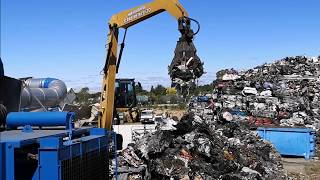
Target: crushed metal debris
{"type": "Point", "coordinates": [197, 148]}
{"type": "Point", "coordinates": [284, 93]}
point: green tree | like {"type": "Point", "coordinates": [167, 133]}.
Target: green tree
{"type": "Point", "coordinates": [160, 90]}
{"type": "Point", "coordinates": [85, 90]}
{"type": "Point", "coordinates": [207, 88]}
{"type": "Point", "coordinates": [173, 99]}
{"type": "Point", "coordinates": [202, 89]}
{"type": "Point", "coordinates": [152, 98]}
{"type": "Point", "coordinates": [83, 95]}
{"type": "Point", "coordinates": [139, 90]}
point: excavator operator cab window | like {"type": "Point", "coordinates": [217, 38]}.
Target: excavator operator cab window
{"type": "Point", "coordinates": [125, 93]}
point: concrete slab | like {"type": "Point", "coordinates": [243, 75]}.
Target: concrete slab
{"type": "Point", "coordinates": [126, 131]}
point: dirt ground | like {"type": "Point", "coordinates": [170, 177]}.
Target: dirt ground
{"type": "Point", "coordinates": [170, 112]}
{"type": "Point", "coordinates": [301, 169]}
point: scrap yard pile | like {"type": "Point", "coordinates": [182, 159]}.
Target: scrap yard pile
{"type": "Point", "coordinates": [284, 93]}
{"type": "Point", "coordinates": [196, 148]}
{"type": "Point", "coordinates": [213, 140]}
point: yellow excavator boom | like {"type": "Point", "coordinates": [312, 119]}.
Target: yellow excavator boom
{"type": "Point", "coordinates": [135, 15]}
{"type": "Point", "coordinates": [125, 20]}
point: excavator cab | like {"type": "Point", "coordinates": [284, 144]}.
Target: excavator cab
{"type": "Point", "coordinates": [125, 101]}
{"type": "Point", "coordinates": [125, 95]}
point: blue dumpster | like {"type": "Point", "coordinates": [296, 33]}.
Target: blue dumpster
{"type": "Point", "coordinates": [291, 141]}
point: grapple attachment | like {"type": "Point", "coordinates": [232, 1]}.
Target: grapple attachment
{"type": "Point", "coordinates": [186, 66]}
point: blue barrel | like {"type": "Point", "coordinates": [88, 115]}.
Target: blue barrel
{"type": "Point", "coordinates": [16, 119]}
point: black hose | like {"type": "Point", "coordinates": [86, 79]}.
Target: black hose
{"type": "Point", "coordinates": [197, 24]}
{"type": "Point", "coordinates": [3, 114]}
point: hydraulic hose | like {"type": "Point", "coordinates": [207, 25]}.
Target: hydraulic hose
{"type": "Point", "coordinates": [197, 22]}
{"type": "Point", "coordinates": [3, 114]}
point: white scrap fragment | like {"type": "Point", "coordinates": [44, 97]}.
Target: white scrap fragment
{"type": "Point", "coordinates": [234, 141]}
{"type": "Point", "coordinates": [251, 171]}
{"type": "Point", "coordinates": [227, 116]}
{"type": "Point", "coordinates": [249, 90]}
{"type": "Point", "coordinates": [266, 93]}
{"type": "Point", "coordinates": [228, 77]}
{"type": "Point", "coordinates": [198, 119]}
{"type": "Point", "coordinates": [167, 124]}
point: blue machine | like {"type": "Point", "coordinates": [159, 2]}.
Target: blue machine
{"type": "Point", "coordinates": [53, 153]}
{"type": "Point", "coordinates": [291, 141]}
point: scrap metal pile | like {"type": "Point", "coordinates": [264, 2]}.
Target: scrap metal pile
{"type": "Point", "coordinates": [213, 141]}
{"type": "Point", "coordinates": [285, 93]}
{"type": "Point", "coordinates": [195, 148]}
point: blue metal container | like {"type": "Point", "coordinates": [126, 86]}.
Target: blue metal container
{"type": "Point", "coordinates": [202, 98]}
{"type": "Point", "coordinates": [291, 141]}
{"type": "Point", "coordinates": [16, 119]}
{"type": "Point", "coordinates": [239, 113]}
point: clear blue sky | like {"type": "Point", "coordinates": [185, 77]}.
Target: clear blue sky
{"type": "Point", "coordinates": [65, 38]}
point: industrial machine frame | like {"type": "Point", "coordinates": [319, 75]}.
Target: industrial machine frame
{"type": "Point", "coordinates": [86, 156]}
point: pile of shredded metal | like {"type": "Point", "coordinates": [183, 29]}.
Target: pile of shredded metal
{"type": "Point", "coordinates": [194, 148]}
{"type": "Point", "coordinates": [283, 93]}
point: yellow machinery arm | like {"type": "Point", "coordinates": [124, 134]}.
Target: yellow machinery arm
{"type": "Point", "coordinates": [135, 15]}
{"type": "Point", "coordinates": [124, 20]}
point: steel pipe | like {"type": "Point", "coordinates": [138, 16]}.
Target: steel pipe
{"type": "Point", "coordinates": [45, 119]}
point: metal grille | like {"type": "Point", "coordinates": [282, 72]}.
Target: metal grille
{"type": "Point", "coordinates": [93, 165]}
